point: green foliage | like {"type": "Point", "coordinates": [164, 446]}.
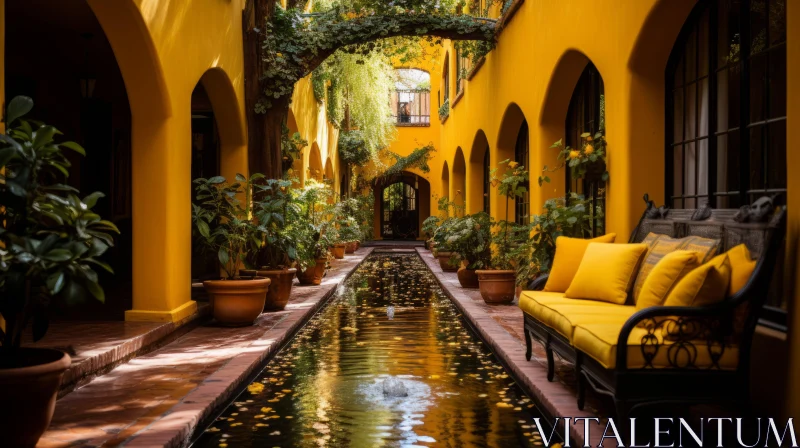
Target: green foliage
{"type": "Point", "coordinates": [295, 43]}
{"type": "Point", "coordinates": [591, 152]}
{"type": "Point", "coordinates": [444, 109]}
{"type": "Point", "coordinates": [574, 218]}
{"type": "Point", "coordinates": [418, 158]}
{"type": "Point", "coordinates": [469, 238]}
{"type": "Point", "coordinates": [319, 80]}
{"type": "Point", "coordinates": [512, 184]}
{"type": "Point", "coordinates": [223, 220]}
{"type": "Point", "coordinates": [291, 147]}
{"type": "Point", "coordinates": [50, 240]}
{"type": "Point", "coordinates": [278, 212]}
{"type": "Point", "coordinates": [353, 149]}
{"type": "Point", "coordinates": [336, 104]}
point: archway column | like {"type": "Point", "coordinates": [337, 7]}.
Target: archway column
{"type": "Point", "coordinates": [161, 218]}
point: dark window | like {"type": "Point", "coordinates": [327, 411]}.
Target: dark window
{"type": "Point", "coordinates": [521, 153]}
{"type": "Point", "coordinates": [586, 113]}
{"type": "Point", "coordinates": [446, 79]}
{"type": "Point", "coordinates": [726, 105]}
{"type": "Point", "coordinates": [726, 113]}
{"type": "Point", "coordinates": [463, 66]}
{"type": "Point", "coordinates": [486, 182]}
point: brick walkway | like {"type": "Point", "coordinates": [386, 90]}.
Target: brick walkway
{"type": "Point", "coordinates": [159, 398]}
{"type": "Point", "coordinates": [501, 327]}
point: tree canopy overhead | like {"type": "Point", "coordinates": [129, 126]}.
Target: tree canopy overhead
{"type": "Point", "coordinates": [283, 46]}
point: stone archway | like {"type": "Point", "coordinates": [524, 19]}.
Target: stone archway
{"type": "Point", "coordinates": [477, 172]}
{"type": "Point", "coordinates": [459, 181]}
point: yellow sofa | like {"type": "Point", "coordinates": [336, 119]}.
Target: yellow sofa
{"type": "Point", "coordinates": [686, 354]}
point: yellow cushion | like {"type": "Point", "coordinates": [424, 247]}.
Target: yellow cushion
{"type": "Point", "coordinates": [742, 267]}
{"type": "Point", "coordinates": [569, 253]}
{"type": "Point", "coordinates": [664, 276]}
{"type": "Point", "coordinates": [704, 285]}
{"type": "Point", "coordinates": [599, 340]}
{"type": "Point", "coordinates": [606, 272]}
{"type": "Point", "coordinates": [660, 245]}
{"type": "Point", "coordinates": [563, 314]}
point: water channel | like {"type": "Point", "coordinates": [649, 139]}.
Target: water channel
{"type": "Point", "coordinates": [388, 362]}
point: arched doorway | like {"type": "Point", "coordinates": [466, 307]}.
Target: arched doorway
{"type": "Point", "coordinates": [315, 164]}
{"type": "Point", "coordinates": [586, 114]}
{"type": "Point", "coordinates": [86, 99]}
{"type": "Point", "coordinates": [404, 204]}
{"type": "Point", "coordinates": [445, 181]}
{"type": "Point", "coordinates": [459, 186]}
{"type": "Point", "coordinates": [478, 187]}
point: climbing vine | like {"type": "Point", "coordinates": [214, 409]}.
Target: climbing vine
{"type": "Point", "coordinates": [418, 158]}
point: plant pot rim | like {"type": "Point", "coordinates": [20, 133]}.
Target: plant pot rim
{"type": "Point", "coordinates": [340, 245]}
{"type": "Point", "coordinates": [495, 271]}
{"type": "Point", "coordinates": [278, 271]}
{"type": "Point", "coordinates": [238, 282]}
{"type": "Point", "coordinates": [51, 359]}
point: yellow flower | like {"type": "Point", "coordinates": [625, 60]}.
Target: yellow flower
{"type": "Point", "coordinates": [280, 55]}
{"type": "Point", "coordinates": [513, 164]}
{"type": "Point", "coordinates": [574, 154]}
{"type": "Point", "coordinates": [588, 149]}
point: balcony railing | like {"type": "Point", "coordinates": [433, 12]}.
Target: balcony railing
{"type": "Point", "coordinates": [411, 107]}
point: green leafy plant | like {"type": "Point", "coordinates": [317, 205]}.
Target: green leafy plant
{"type": "Point", "coordinates": [444, 109]}
{"type": "Point", "coordinates": [277, 212]}
{"type": "Point", "coordinates": [512, 184]}
{"type": "Point", "coordinates": [50, 240]}
{"type": "Point", "coordinates": [291, 147]}
{"type": "Point", "coordinates": [578, 160]}
{"type": "Point", "coordinates": [224, 221]}
{"type": "Point", "coordinates": [469, 238]}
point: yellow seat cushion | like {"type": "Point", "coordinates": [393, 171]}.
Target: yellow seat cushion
{"type": "Point", "coordinates": [569, 253]}
{"type": "Point", "coordinates": [606, 272]}
{"type": "Point", "coordinates": [742, 267]}
{"type": "Point", "coordinates": [705, 285]}
{"type": "Point", "coordinates": [599, 341]}
{"type": "Point", "coordinates": [664, 276]}
{"type": "Point", "coordinates": [660, 245]}
{"type": "Point", "coordinates": [563, 314]}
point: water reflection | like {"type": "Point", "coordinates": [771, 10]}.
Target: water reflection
{"type": "Point", "coordinates": [387, 363]}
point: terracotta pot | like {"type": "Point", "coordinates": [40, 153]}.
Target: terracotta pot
{"type": "Point", "coordinates": [280, 288]}
{"type": "Point", "coordinates": [444, 257]}
{"type": "Point", "coordinates": [338, 251]}
{"type": "Point", "coordinates": [497, 286]}
{"type": "Point", "coordinates": [358, 245]}
{"type": "Point", "coordinates": [350, 247]}
{"type": "Point", "coordinates": [467, 277]}
{"type": "Point", "coordinates": [28, 387]}
{"type": "Point", "coordinates": [312, 275]}
{"type": "Point", "coordinates": [237, 302]}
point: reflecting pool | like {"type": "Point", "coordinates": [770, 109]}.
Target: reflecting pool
{"type": "Point", "coordinates": [387, 363]}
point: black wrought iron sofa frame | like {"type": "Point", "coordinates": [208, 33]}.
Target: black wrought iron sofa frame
{"type": "Point", "coordinates": [716, 327]}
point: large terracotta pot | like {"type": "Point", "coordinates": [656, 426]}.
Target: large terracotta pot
{"type": "Point", "coordinates": [338, 251]}
{"type": "Point", "coordinates": [497, 286]}
{"type": "Point", "coordinates": [444, 258]}
{"type": "Point", "coordinates": [313, 274]}
{"type": "Point", "coordinates": [237, 302]}
{"type": "Point", "coordinates": [28, 387]}
{"type": "Point", "coordinates": [467, 277]}
{"type": "Point", "coordinates": [350, 247]}
{"type": "Point", "coordinates": [280, 289]}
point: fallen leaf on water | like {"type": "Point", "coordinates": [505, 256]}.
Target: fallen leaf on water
{"type": "Point", "coordinates": [503, 405]}
{"type": "Point", "coordinates": [236, 424]}
{"type": "Point", "coordinates": [255, 388]}
{"type": "Point", "coordinates": [266, 409]}
{"type": "Point", "coordinates": [287, 391]}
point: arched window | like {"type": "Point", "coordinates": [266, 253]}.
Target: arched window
{"type": "Point", "coordinates": [521, 156]}
{"type": "Point", "coordinates": [586, 113]}
{"type": "Point", "coordinates": [445, 81]}
{"type": "Point", "coordinates": [487, 192]}
{"type": "Point", "coordinates": [726, 105]}
{"type": "Point", "coordinates": [726, 113]}
{"type": "Point", "coordinates": [411, 100]}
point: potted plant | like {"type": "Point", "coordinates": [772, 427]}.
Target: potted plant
{"type": "Point", "coordinates": [349, 233]}
{"type": "Point", "coordinates": [50, 245]}
{"type": "Point", "coordinates": [428, 228]}
{"type": "Point", "coordinates": [447, 261]}
{"type": "Point", "coordinates": [313, 238]}
{"type": "Point", "coordinates": [469, 241]}
{"type": "Point", "coordinates": [277, 212]}
{"type": "Point", "coordinates": [497, 284]}
{"type": "Point", "coordinates": [226, 227]}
